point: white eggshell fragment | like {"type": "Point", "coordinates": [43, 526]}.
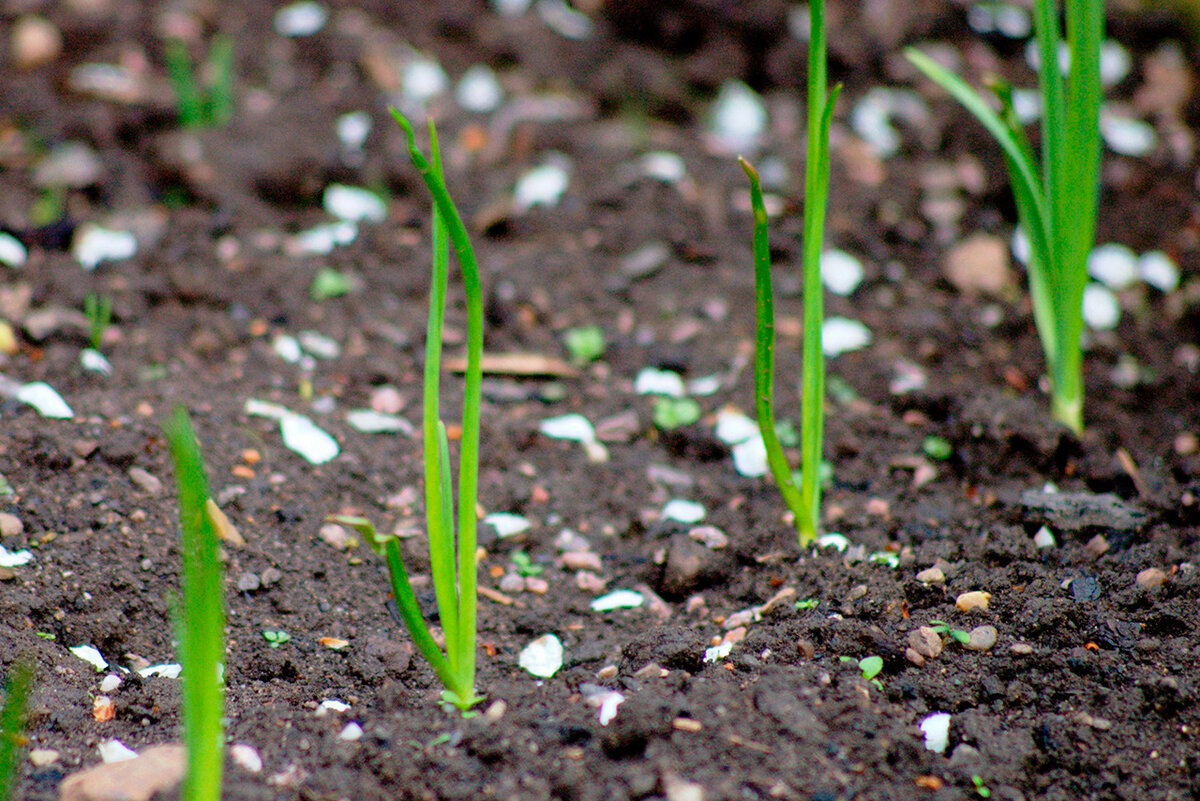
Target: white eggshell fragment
{"type": "Point", "coordinates": [1101, 311]}
{"type": "Point", "coordinates": [93, 361]}
{"type": "Point", "coordinates": [936, 728]}
{"type": "Point", "coordinates": [542, 657]}
{"type": "Point", "coordinates": [14, 558]}
{"type": "Point", "coordinates": [304, 437]}
{"type": "Point", "coordinates": [651, 381]}
{"type": "Point", "coordinates": [370, 421]}
{"type": "Point", "coordinates": [115, 751]}
{"type": "Point", "coordinates": [842, 335]}
{"type": "Point", "coordinates": [91, 655]}
{"type": "Point", "coordinates": [479, 90]}
{"type": "Point", "coordinates": [841, 273]}
{"type": "Point", "coordinates": [1114, 265]}
{"type": "Point", "coordinates": [737, 119]}
{"type": "Point", "coordinates": [573, 427]}
{"type": "Point", "coordinates": [507, 524]}
{"type": "Point", "coordinates": [683, 511]}
{"type": "Point", "coordinates": [750, 457]}
{"type": "Point", "coordinates": [734, 427]}
{"type": "Point", "coordinates": [541, 186]}
{"type": "Point", "coordinates": [1127, 136]}
{"type": "Point", "coordinates": [300, 19]}
{"type": "Point", "coordinates": [353, 203]}
{"type": "Point", "coordinates": [93, 244]}
{"type": "Point", "coordinates": [1159, 271]}
{"type": "Point", "coordinates": [42, 397]}
{"type": "Point", "coordinates": [12, 252]}
{"type": "Point", "coordinates": [618, 599]}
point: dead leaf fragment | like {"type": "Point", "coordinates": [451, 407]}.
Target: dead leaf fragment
{"type": "Point", "coordinates": [225, 530]}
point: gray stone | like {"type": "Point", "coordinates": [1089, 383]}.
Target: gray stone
{"type": "Point", "coordinates": [983, 638]}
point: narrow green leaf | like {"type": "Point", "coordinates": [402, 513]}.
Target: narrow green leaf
{"type": "Point", "coordinates": [12, 722]}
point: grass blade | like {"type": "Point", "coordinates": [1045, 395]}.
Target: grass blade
{"type": "Point", "coordinates": [188, 103]}
{"type": "Point", "coordinates": [201, 622]}
{"type": "Point", "coordinates": [12, 723]}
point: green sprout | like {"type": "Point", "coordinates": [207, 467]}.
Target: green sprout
{"type": "Point", "coordinates": [98, 310]}
{"type": "Point", "coordinates": [804, 501]}
{"type": "Point", "coordinates": [671, 413]}
{"type": "Point", "coordinates": [525, 565]}
{"type": "Point", "coordinates": [585, 344]}
{"type": "Point", "coordinates": [1056, 206]}
{"type": "Point", "coordinates": [276, 637]}
{"type": "Point", "coordinates": [208, 104]}
{"type": "Point", "coordinates": [869, 666]}
{"type": "Point", "coordinates": [981, 789]}
{"type": "Point", "coordinates": [958, 635]}
{"type": "Point", "coordinates": [12, 723]}
{"type": "Point", "coordinates": [200, 623]}
{"type": "Point", "coordinates": [328, 283]}
{"type": "Point", "coordinates": [937, 448]}
{"type": "Point", "coordinates": [452, 563]}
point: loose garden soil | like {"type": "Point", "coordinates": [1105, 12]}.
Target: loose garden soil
{"type": "Point", "coordinates": [1090, 689]}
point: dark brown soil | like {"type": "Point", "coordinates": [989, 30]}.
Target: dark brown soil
{"type": "Point", "coordinates": [1090, 691]}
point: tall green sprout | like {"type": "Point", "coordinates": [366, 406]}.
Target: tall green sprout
{"type": "Point", "coordinates": [200, 623]}
{"type": "Point", "coordinates": [200, 103]}
{"type": "Point", "coordinates": [12, 723]}
{"type": "Point", "coordinates": [1056, 201]}
{"type": "Point", "coordinates": [452, 563]}
{"type": "Point", "coordinates": [803, 501]}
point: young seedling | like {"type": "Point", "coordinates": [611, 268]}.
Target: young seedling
{"type": "Point", "coordinates": [200, 623]}
{"type": "Point", "coordinates": [958, 635]}
{"type": "Point", "coordinates": [202, 104]}
{"type": "Point", "coordinates": [1056, 206]}
{"type": "Point", "coordinates": [451, 558]}
{"type": "Point", "coordinates": [98, 310]}
{"type": "Point", "coordinates": [585, 343]}
{"type": "Point", "coordinates": [803, 501]}
{"type": "Point", "coordinates": [12, 723]}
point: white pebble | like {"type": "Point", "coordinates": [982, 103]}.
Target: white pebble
{"type": "Point", "coordinates": [737, 119]}
{"type": "Point", "coordinates": [354, 204]}
{"type": "Point", "coordinates": [573, 427]}
{"type": "Point", "coordinates": [479, 90]}
{"type": "Point", "coordinates": [1044, 538]}
{"type": "Point", "coordinates": [12, 252]}
{"type": "Point", "coordinates": [1114, 265]}
{"type": "Point", "coordinates": [14, 558]}
{"type": "Point", "coordinates": [507, 524]}
{"type": "Point", "coordinates": [541, 186]}
{"type": "Point", "coordinates": [842, 335]}
{"type": "Point", "coordinates": [351, 733]}
{"type": "Point", "coordinates": [424, 79]}
{"type": "Point", "coordinates": [93, 245]}
{"type": "Point", "coordinates": [1021, 248]}
{"type": "Point", "coordinates": [319, 345]}
{"type": "Point", "coordinates": [683, 511]}
{"type": "Point", "coordinates": [542, 657]}
{"type": "Point", "coordinates": [300, 19]}
{"type": "Point", "coordinates": [370, 421]}
{"type": "Point", "coordinates": [93, 361]}
{"type": "Point", "coordinates": [246, 757]}
{"type": "Point", "coordinates": [871, 118]}
{"type": "Point", "coordinates": [109, 683]}
{"type": "Point", "coordinates": [168, 670]}
{"type": "Point", "coordinates": [306, 438]}
{"type": "Point", "coordinates": [1127, 136]}
{"type": "Point", "coordinates": [331, 705]}
{"type": "Point", "coordinates": [115, 751]}
{"type": "Point", "coordinates": [511, 8]}
{"type": "Point", "coordinates": [833, 540]}
{"type": "Point", "coordinates": [651, 381]}
{"type": "Point", "coordinates": [42, 397]}
{"type": "Point", "coordinates": [664, 166]}
{"type": "Point", "coordinates": [322, 239]}
{"type": "Point", "coordinates": [936, 728]}
{"type": "Point", "coordinates": [1159, 271]}
{"type": "Point", "coordinates": [734, 427]}
{"type": "Point", "coordinates": [287, 347]}
{"type": "Point", "coordinates": [618, 599]}
{"type": "Point", "coordinates": [91, 655]}
{"type": "Point", "coordinates": [1100, 308]}
{"type": "Point", "coordinates": [717, 652]}
{"type": "Point", "coordinates": [353, 128]}
{"type": "Point", "coordinates": [841, 273]}
{"type": "Point", "coordinates": [564, 20]}
{"type": "Point", "coordinates": [750, 457]}
{"type": "Point", "coordinates": [1115, 63]}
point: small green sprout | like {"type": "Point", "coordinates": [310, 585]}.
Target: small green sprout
{"type": "Point", "coordinates": [98, 310]}
{"type": "Point", "coordinates": [207, 104]}
{"type": "Point", "coordinates": [804, 500]}
{"type": "Point", "coordinates": [981, 789]}
{"type": "Point", "coordinates": [585, 344]}
{"type": "Point", "coordinates": [46, 635]}
{"type": "Point", "coordinates": [671, 413]}
{"type": "Point", "coordinates": [200, 623]}
{"type": "Point", "coordinates": [937, 448]}
{"type": "Point", "coordinates": [328, 283]}
{"type": "Point", "coordinates": [869, 666]}
{"type": "Point", "coordinates": [525, 565]}
{"type": "Point", "coordinates": [12, 723]}
{"type": "Point", "coordinates": [806, 603]}
{"type": "Point", "coordinates": [276, 637]}
{"type": "Point", "coordinates": [958, 635]}
{"type": "Point", "coordinates": [1056, 206]}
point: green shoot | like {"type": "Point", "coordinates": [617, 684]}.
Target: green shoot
{"type": "Point", "coordinates": [981, 788]}
{"type": "Point", "coordinates": [585, 343]}
{"type": "Point", "coordinates": [1056, 202]}
{"type": "Point", "coordinates": [936, 447]}
{"type": "Point", "coordinates": [328, 283]}
{"type": "Point", "coordinates": [198, 105]}
{"type": "Point", "coordinates": [98, 310]}
{"type": "Point", "coordinates": [12, 723]}
{"type": "Point", "coordinates": [276, 637]}
{"type": "Point", "coordinates": [958, 635]}
{"type": "Point", "coordinates": [200, 624]}
{"type": "Point", "coordinates": [524, 564]}
{"type": "Point", "coordinates": [451, 553]}
{"type": "Point", "coordinates": [671, 413]}
{"type": "Point", "coordinates": [803, 501]}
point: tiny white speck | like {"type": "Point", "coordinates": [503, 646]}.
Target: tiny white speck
{"type": "Point", "coordinates": [300, 19]}
{"type": "Point", "coordinates": [353, 128]}
{"type": "Point", "coordinates": [479, 90]}
{"type": "Point", "coordinates": [841, 273]}
{"type": "Point", "coordinates": [737, 119]}
{"type": "Point", "coordinates": [541, 186]}
{"type": "Point", "coordinates": [1100, 308]}
{"type": "Point", "coordinates": [683, 511]}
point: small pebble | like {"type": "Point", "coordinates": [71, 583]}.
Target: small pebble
{"type": "Point", "coordinates": [710, 536]}
{"type": "Point", "coordinates": [983, 638]}
{"type": "Point", "coordinates": [842, 335]}
{"type": "Point", "coordinates": [110, 683]}
{"type": "Point", "coordinates": [914, 658]}
{"type": "Point", "coordinates": [42, 757]}
{"type": "Point", "coordinates": [1150, 578]}
{"type": "Point", "coordinates": [351, 733]}
{"type": "Point", "coordinates": [271, 576]}
{"type": "Point", "coordinates": [150, 484]}
{"type": "Point", "coordinates": [590, 582]}
{"type": "Point", "coordinates": [1044, 538]}
{"type": "Point", "coordinates": [1097, 546]}
{"type": "Point", "coordinates": [35, 42]}
{"type": "Point", "coordinates": [979, 265]}
{"type": "Point", "coordinates": [10, 525]}
{"type": "Point", "coordinates": [972, 600]}
{"type": "Point", "coordinates": [248, 582]}
{"type": "Point", "coordinates": [337, 536]}
{"type": "Point", "coordinates": [1021, 649]}
{"type": "Point", "coordinates": [387, 399]}
{"type": "Point", "coordinates": [932, 575]}
{"type": "Point", "coordinates": [512, 582]}
{"type": "Point", "coordinates": [246, 757]}
{"type": "Point", "coordinates": [926, 642]}
{"type": "Point", "coordinates": [582, 560]}
{"type": "Point", "coordinates": [538, 586]}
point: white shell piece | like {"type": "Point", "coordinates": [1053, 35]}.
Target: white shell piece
{"type": "Point", "coordinates": [42, 397]}
{"type": "Point", "coordinates": [936, 728]}
{"type": "Point", "coordinates": [14, 558]}
{"type": "Point", "coordinates": [91, 655]}
{"type": "Point", "coordinates": [322, 239]}
{"type": "Point", "coordinates": [651, 381]}
{"type": "Point", "coordinates": [93, 244]}
{"type": "Point", "coordinates": [307, 439]}
{"type": "Point", "coordinates": [1159, 271]}
{"type": "Point", "coordinates": [260, 408]}
{"type": "Point", "coordinates": [737, 119]}
{"type": "Point", "coordinates": [718, 651]}
{"type": "Point", "coordinates": [662, 165]}
{"type": "Point", "coordinates": [353, 128]}
{"type": "Point", "coordinates": [541, 186]}
{"type": "Point", "coordinates": [300, 19]}
{"type": "Point", "coordinates": [841, 273]}
{"type": "Point", "coordinates": [1115, 63]}
{"type": "Point", "coordinates": [93, 361]}
{"type": "Point", "coordinates": [424, 79]}
{"type": "Point", "coordinates": [12, 252]}
{"type": "Point", "coordinates": [618, 599]}
{"type": "Point", "coordinates": [683, 511]}
{"type": "Point", "coordinates": [168, 670]}
{"type": "Point", "coordinates": [287, 347]}
{"type": "Point", "coordinates": [507, 524]}
{"type": "Point", "coordinates": [351, 732]}
{"type": "Point", "coordinates": [833, 540]}
{"type": "Point", "coordinates": [479, 90]}
{"type": "Point", "coordinates": [331, 705]}
{"type": "Point", "coordinates": [1044, 538]}
{"type": "Point", "coordinates": [1127, 136]}
{"type": "Point", "coordinates": [750, 457]}
{"type": "Point", "coordinates": [246, 756]}
{"type": "Point", "coordinates": [542, 657]}
{"type": "Point", "coordinates": [842, 335]}
{"type": "Point", "coordinates": [734, 427]}
{"type": "Point", "coordinates": [704, 385]}
{"type": "Point", "coordinates": [110, 682]}
{"type": "Point", "coordinates": [1113, 265]}
{"type": "Point", "coordinates": [354, 203]}
{"type": "Point", "coordinates": [115, 751]}
{"type": "Point", "coordinates": [564, 20]}
{"type": "Point", "coordinates": [370, 421]}
{"type": "Point", "coordinates": [1101, 311]}
{"type": "Point", "coordinates": [319, 345]}
{"type": "Point", "coordinates": [573, 427]}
